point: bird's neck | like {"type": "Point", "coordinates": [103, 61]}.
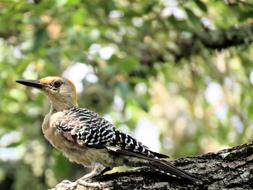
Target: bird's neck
{"type": "Point", "coordinates": [62, 107]}
{"type": "Point", "coordinates": [57, 106]}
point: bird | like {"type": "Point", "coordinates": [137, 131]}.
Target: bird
{"type": "Point", "coordinates": [86, 138]}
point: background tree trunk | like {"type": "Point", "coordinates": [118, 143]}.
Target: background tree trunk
{"type": "Point", "coordinates": [228, 169]}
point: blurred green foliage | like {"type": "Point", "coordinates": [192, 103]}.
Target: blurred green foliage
{"type": "Point", "coordinates": [145, 59]}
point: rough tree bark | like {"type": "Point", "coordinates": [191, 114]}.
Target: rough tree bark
{"type": "Point", "coordinates": [228, 169]}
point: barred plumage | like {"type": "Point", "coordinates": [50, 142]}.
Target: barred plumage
{"type": "Point", "coordinates": [96, 132]}
{"type": "Point", "coordinates": [88, 139]}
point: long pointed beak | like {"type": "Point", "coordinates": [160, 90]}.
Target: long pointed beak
{"type": "Point", "coordinates": [31, 83]}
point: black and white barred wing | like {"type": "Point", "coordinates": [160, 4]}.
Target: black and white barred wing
{"type": "Point", "coordinates": [87, 128]}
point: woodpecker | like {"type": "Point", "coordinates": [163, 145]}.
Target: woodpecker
{"type": "Point", "coordinates": [88, 139]}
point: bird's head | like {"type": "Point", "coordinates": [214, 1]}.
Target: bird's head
{"type": "Point", "coordinates": [60, 91]}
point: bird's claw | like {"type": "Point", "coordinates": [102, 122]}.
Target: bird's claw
{"type": "Point", "coordinates": [86, 183]}
{"type": "Point", "coordinates": [66, 185]}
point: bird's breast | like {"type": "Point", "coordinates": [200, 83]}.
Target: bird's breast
{"type": "Point", "coordinates": [74, 152]}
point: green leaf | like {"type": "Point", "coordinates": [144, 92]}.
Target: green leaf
{"type": "Point", "coordinates": [192, 17]}
{"type": "Point", "coordinates": [201, 5]}
{"type": "Point", "coordinates": [79, 16]}
{"type": "Point", "coordinates": [129, 64]}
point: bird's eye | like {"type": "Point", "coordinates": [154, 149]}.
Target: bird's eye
{"type": "Point", "coordinates": [57, 84]}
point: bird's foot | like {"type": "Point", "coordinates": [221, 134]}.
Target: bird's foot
{"type": "Point", "coordinates": [87, 183]}
{"type": "Point", "coordinates": [66, 185]}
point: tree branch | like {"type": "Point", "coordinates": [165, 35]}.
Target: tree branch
{"type": "Point", "coordinates": [213, 39]}
{"type": "Point", "coordinates": [224, 38]}
{"type": "Point", "coordinates": [227, 169]}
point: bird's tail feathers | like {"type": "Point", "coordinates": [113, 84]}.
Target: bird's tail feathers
{"type": "Point", "coordinates": [164, 166]}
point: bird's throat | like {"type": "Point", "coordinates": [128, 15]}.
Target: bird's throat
{"type": "Point", "coordinates": [61, 105]}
